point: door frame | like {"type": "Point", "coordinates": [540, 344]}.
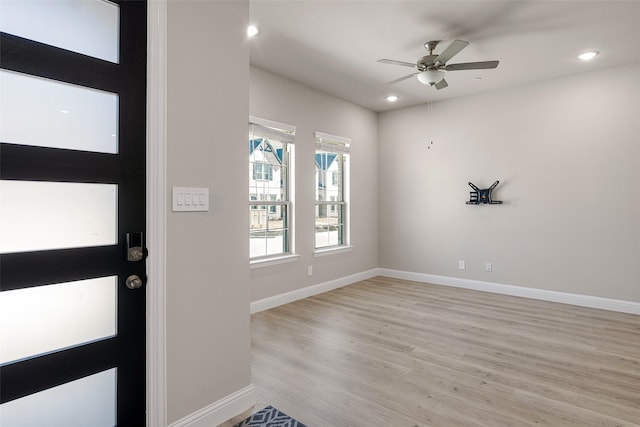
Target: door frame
{"type": "Point", "coordinates": [156, 212]}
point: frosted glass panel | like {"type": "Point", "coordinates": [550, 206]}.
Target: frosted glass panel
{"type": "Point", "coordinates": [90, 401]}
{"type": "Point", "coordinates": [90, 27]}
{"type": "Point", "coordinates": [47, 113]}
{"type": "Point", "coordinates": [56, 215]}
{"type": "Point", "coordinates": [42, 319]}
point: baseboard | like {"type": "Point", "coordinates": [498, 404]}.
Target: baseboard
{"type": "Point", "coordinates": [610, 304]}
{"type": "Point", "coordinates": [309, 291]}
{"type": "Point", "coordinates": [622, 306]}
{"type": "Point", "coordinates": [220, 411]}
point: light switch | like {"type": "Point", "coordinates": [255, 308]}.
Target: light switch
{"type": "Point", "coordinates": [190, 199]}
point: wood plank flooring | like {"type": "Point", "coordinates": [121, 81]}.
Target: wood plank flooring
{"type": "Point", "coordinates": [388, 352]}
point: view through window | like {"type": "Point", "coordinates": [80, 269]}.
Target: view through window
{"type": "Point", "coordinates": [332, 172]}
{"type": "Point", "coordinates": [270, 204]}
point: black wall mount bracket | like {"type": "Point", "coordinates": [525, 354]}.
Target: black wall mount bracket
{"type": "Point", "coordinates": [483, 196]}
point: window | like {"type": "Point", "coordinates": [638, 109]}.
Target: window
{"type": "Point", "coordinates": [270, 203]}
{"type": "Point", "coordinates": [332, 189]}
{"type": "Point", "coordinates": [263, 171]}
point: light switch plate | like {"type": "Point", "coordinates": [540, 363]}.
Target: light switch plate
{"type": "Point", "coordinates": [190, 199]}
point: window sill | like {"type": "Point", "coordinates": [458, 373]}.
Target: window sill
{"type": "Point", "coordinates": [266, 262]}
{"type": "Point", "coordinates": [333, 250]}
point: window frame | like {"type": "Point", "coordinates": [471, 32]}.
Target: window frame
{"type": "Point", "coordinates": [340, 146]}
{"type": "Point", "coordinates": [265, 204]}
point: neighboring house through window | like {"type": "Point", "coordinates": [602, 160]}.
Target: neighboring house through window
{"type": "Point", "coordinates": [332, 190]}
{"type": "Point", "coordinates": [270, 202]}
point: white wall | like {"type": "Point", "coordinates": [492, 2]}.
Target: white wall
{"type": "Point", "coordinates": [207, 273]}
{"type": "Point", "coordinates": [567, 155]}
{"type": "Point", "coordinates": [276, 98]}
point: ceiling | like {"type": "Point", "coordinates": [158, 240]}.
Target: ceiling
{"type": "Point", "coordinates": [333, 46]}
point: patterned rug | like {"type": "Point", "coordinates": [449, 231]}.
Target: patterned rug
{"type": "Point", "coordinates": [270, 417]}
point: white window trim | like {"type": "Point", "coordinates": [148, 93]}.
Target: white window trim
{"type": "Point", "coordinates": [340, 139]}
{"type": "Point", "coordinates": [346, 195]}
{"type": "Point", "coordinates": [272, 124]}
{"type": "Point", "coordinates": [332, 250]}
{"type": "Point", "coordinates": [273, 133]}
{"type": "Point", "coordinates": [286, 133]}
{"type": "Point", "coordinates": [275, 260]}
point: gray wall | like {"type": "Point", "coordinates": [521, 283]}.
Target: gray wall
{"type": "Point", "coordinates": [207, 274]}
{"type": "Point", "coordinates": [566, 153]}
{"type": "Point", "coordinates": [276, 98]}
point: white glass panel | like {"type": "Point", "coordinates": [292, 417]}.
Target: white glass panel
{"type": "Point", "coordinates": [90, 27]}
{"type": "Point", "coordinates": [89, 401]}
{"type": "Point", "coordinates": [42, 319]}
{"type": "Point", "coordinates": [47, 113]}
{"type": "Point", "coordinates": [55, 215]}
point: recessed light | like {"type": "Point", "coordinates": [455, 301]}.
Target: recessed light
{"type": "Point", "coordinates": [252, 30]}
{"type": "Point", "coordinates": [588, 56]}
{"type": "Point", "coordinates": [64, 111]}
{"type": "Point", "coordinates": [392, 98]}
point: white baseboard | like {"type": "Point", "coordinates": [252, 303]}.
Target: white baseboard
{"type": "Point", "coordinates": [309, 291]}
{"type": "Point", "coordinates": [519, 291]}
{"type": "Point", "coordinates": [220, 411]}
{"type": "Point", "coordinates": [622, 306]}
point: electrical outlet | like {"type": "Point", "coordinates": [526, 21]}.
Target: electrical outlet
{"type": "Point", "coordinates": [462, 264]}
{"type": "Point", "coordinates": [310, 270]}
{"type": "Point", "coordinates": [488, 267]}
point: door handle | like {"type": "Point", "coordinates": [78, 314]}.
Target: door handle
{"type": "Point", "coordinates": [133, 282]}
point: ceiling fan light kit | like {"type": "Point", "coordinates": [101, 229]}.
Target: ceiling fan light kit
{"type": "Point", "coordinates": [431, 77]}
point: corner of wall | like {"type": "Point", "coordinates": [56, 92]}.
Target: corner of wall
{"type": "Point", "coordinates": [220, 411]}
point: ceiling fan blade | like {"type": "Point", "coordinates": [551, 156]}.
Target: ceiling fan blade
{"type": "Point", "coordinates": [441, 84]}
{"type": "Point", "coordinates": [452, 50]}
{"type": "Point", "coordinates": [400, 79]}
{"type": "Point", "coordinates": [483, 65]}
{"type": "Point", "coordinates": [392, 62]}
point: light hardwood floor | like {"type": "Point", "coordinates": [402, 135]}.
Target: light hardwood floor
{"type": "Point", "coordinates": [387, 352]}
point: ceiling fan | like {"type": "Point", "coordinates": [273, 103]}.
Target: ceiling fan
{"type": "Point", "coordinates": [432, 68]}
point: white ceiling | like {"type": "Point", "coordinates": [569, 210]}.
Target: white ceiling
{"type": "Point", "coordinates": [333, 46]}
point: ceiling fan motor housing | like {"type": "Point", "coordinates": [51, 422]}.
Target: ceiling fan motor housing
{"type": "Point", "coordinates": [426, 62]}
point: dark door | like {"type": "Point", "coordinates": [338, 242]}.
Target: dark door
{"type": "Point", "coordinates": [72, 200]}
